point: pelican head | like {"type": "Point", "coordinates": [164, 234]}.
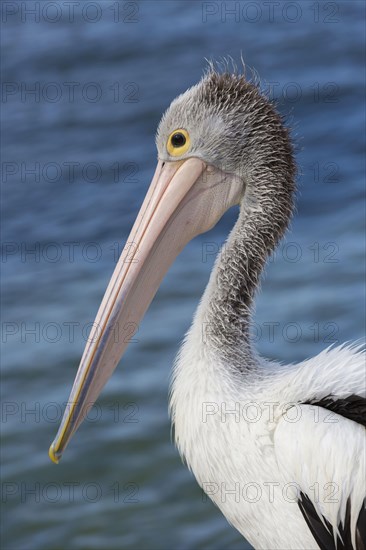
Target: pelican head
{"type": "Point", "coordinates": [220, 144]}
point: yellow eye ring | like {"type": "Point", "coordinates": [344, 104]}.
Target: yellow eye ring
{"type": "Point", "coordinates": [178, 142]}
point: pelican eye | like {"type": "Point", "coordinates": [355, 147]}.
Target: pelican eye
{"type": "Point", "coordinates": [178, 142]}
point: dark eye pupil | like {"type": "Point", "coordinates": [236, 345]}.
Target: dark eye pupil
{"type": "Point", "coordinates": [178, 139]}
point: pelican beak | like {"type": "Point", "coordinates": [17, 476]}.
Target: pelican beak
{"type": "Point", "coordinates": [185, 198]}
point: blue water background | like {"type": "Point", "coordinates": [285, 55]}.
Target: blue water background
{"type": "Point", "coordinates": [121, 483]}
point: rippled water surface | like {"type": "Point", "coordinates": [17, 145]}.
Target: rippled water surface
{"type": "Point", "coordinates": [78, 154]}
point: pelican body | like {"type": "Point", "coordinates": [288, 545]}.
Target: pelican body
{"type": "Point", "coordinates": [280, 449]}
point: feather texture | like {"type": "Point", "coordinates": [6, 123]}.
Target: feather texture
{"type": "Point", "coordinates": [258, 435]}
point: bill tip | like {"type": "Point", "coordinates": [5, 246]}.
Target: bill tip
{"type": "Point", "coordinates": [54, 456]}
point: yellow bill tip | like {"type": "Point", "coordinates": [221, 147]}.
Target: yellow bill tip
{"type": "Point", "coordinates": [53, 454]}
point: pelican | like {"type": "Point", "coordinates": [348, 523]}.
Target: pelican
{"type": "Point", "coordinates": [280, 449]}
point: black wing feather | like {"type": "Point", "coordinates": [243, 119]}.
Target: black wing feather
{"type": "Point", "coordinates": [323, 532]}
{"type": "Point", "coordinates": [352, 407]}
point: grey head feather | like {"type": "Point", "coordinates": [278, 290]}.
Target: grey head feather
{"type": "Point", "coordinates": [235, 128]}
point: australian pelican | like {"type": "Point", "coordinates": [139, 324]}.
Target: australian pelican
{"type": "Point", "coordinates": [292, 476]}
